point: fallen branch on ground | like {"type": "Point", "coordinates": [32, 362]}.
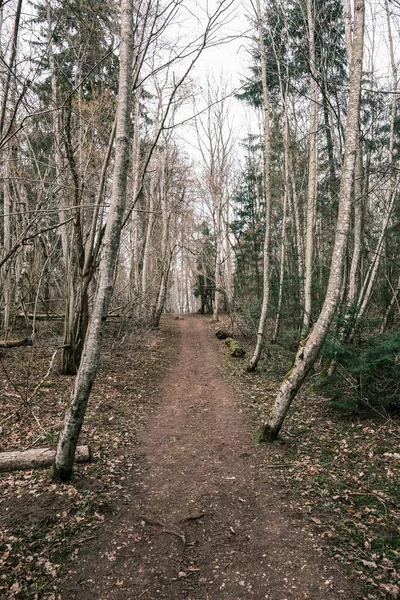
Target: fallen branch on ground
{"type": "Point", "coordinates": [37, 457]}
{"type": "Point", "coordinates": [15, 343]}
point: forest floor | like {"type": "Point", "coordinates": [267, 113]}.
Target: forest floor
{"type": "Point", "coordinates": [181, 502]}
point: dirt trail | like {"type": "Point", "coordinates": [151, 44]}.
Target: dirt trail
{"type": "Point", "coordinates": [205, 518]}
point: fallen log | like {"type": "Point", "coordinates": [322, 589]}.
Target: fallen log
{"type": "Point", "coordinates": [38, 457]}
{"type": "Point", "coordinates": [39, 316]}
{"type": "Point", "coordinates": [15, 343]}
{"type": "Point", "coordinates": [235, 348]}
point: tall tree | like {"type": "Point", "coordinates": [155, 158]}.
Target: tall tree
{"type": "Point", "coordinates": [312, 172]}
{"type": "Point", "coordinates": [310, 347]}
{"type": "Point", "coordinates": [267, 192]}
{"type": "Point", "coordinates": [64, 459]}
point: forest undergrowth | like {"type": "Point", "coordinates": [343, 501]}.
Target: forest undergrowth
{"type": "Point", "coordinates": [44, 526]}
{"type": "Point", "coordinates": [343, 470]}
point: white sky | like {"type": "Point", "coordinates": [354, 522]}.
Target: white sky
{"type": "Point", "coordinates": [228, 63]}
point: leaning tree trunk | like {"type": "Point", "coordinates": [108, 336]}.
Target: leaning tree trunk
{"type": "Point", "coordinates": [309, 349]}
{"type": "Point", "coordinates": [267, 195]}
{"type": "Point", "coordinates": [64, 459]}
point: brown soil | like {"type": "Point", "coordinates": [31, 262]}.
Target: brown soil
{"type": "Point", "coordinates": [203, 516]}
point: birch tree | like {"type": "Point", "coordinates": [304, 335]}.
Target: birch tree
{"type": "Point", "coordinates": [310, 347]}
{"type": "Point", "coordinates": [312, 172]}
{"type": "Point", "coordinates": [64, 459]}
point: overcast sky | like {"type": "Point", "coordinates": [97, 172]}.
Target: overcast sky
{"type": "Point", "coordinates": [228, 62]}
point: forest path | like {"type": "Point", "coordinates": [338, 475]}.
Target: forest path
{"type": "Point", "coordinates": [206, 520]}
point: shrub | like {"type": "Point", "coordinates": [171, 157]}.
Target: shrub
{"type": "Point", "coordinates": [367, 377]}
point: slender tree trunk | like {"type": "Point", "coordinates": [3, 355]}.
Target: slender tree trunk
{"type": "Point", "coordinates": [145, 278]}
{"type": "Point", "coordinates": [64, 460]}
{"type": "Point", "coordinates": [166, 254]}
{"type": "Point", "coordinates": [218, 254]}
{"type": "Point", "coordinates": [58, 160]}
{"type": "Point", "coordinates": [369, 282]}
{"type": "Point", "coordinates": [267, 194]}
{"type": "Point", "coordinates": [229, 261]}
{"type": "Point", "coordinates": [7, 246]}
{"type": "Point", "coordinates": [309, 348]}
{"type": "Point", "coordinates": [394, 300]}
{"type": "Point", "coordinates": [348, 34]}
{"type": "Point", "coordinates": [281, 268]}
{"type": "Point", "coordinates": [298, 229]}
{"type": "Point", "coordinates": [357, 233]}
{"type": "Point", "coordinates": [134, 277]}
{"type": "Point", "coordinates": [10, 66]}
{"type": "Point", "coordinates": [312, 175]}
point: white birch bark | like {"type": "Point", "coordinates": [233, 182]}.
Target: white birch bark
{"type": "Point", "coordinates": [267, 194]}
{"type": "Point", "coordinates": [370, 279]}
{"type": "Point", "coordinates": [229, 260]}
{"type": "Point", "coordinates": [309, 349]}
{"type": "Point", "coordinates": [64, 459]}
{"type": "Point", "coordinates": [348, 34]}
{"type": "Point", "coordinates": [284, 96]}
{"type": "Point", "coordinates": [298, 228]}
{"type": "Point", "coordinates": [7, 246]}
{"type": "Point", "coordinates": [218, 253]}
{"type": "Point", "coordinates": [134, 277]}
{"type": "Point", "coordinates": [312, 174]}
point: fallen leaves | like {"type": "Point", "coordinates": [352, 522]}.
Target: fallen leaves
{"type": "Point", "coordinates": [344, 471]}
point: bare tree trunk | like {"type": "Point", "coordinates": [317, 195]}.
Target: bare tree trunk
{"type": "Point", "coordinates": [312, 175]}
{"type": "Point", "coordinates": [7, 247]}
{"type": "Point", "coordinates": [267, 194]}
{"type": "Point", "coordinates": [58, 161]}
{"type": "Point", "coordinates": [357, 234]}
{"type": "Point", "coordinates": [281, 267]}
{"type": "Point", "coordinates": [64, 459]}
{"type": "Point", "coordinates": [134, 276]}
{"type": "Point", "coordinates": [284, 97]}
{"type": "Point", "coordinates": [369, 282]}
{"type": "Point", "coordinates": [147, 247]}
{"type": "Point", "coordinates": [298, 228]}
{"type": "Point", "coordinates": [229, 261]}
{"type": "Point", "coordinates": [366, 291]}
{"type": "Point", "coordinates": [10, 66]}
{"type": "Point", "coordinates": [218, 253]}
{"type": "Point", "coordinates": [309, 348]}
{"type": "Point", "coordinates": [166, 254]}
{"type": "Point", "coordinates": [394, 300]}
{"type": "Point", "coordinates": [348, 35]}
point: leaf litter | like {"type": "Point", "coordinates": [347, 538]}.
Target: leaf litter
{"type": "Point", "coordinates": [344, 472]}
{"type": "Point", "coordinates": [44, 526]}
